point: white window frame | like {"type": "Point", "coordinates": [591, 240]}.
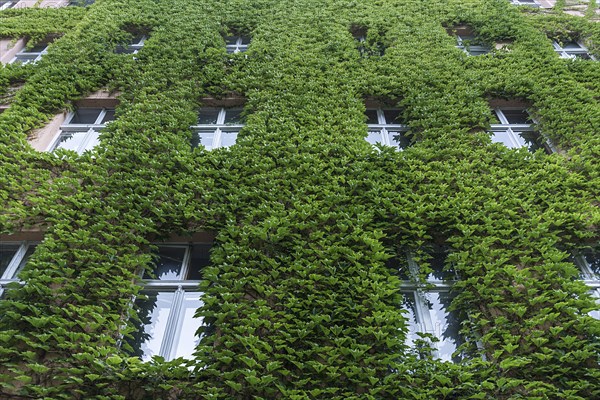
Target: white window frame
{"type": "Point", "coordinates": [513, 131]}
{"type": "Point", "coordinates": [181, 290]}
{"type": "Point", "coordinates": [218, 129]}
{"type": "Point", "coordinates": [91, 131]}
{"type": "Point", "coordinates": [235, 44]}
{"type": "Point", "coordinates": [132, 47]}
{"type": "Point", "coordinates": [572, 54]}
{"type": "Point", "coordinates": [470, 49]}
{"type": "Point", "coordinates": [384, 129]}
{"type": "Point", "coordinates": [424, 323]}
{"type": "Point", "coordinates": [591, 279]}
{"type": "Point", "coordinates": [12, 269]}
{"type": "Point", "coordinates": [25, 56]}
{"type": "Point", "coordinates": [531, 3]}
{"type": "Point", "coordinates": [8, 4]}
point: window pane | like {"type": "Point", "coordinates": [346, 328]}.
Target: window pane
{"type": "Point", "coordinates": [108, 116]}
{"type": "Point", "coordinates": [374, 137]}
{"type": "Point", "coordinates": [186, 340]}
{"type": "Point", "coordinates": [245, 40]}
{"type": "Point", "coordinates": [593, 261]}
{"type": "Point", "coordinates": [233, 116]}
{"type": "Point", "coordinates": [169, 263]}
{"type": "Point", "coordinates": [446, 325]}
{"type": "Point", "coordinates": [71, 140]}
{"type": "Point", "coordinates": [392, 116]}
{"type": "Point", "coordinates": [204, 138]}
{"type": "Point", "coordinates": [199, 258]}
{"type": "Point", "coordinates": [372, 116]}
{"type": "Point", "coordinates": [228, 138]}
{"type": "Point", "coordinates": [153, 313]}
{"type": "Point", "coordinates": [7, 252]}
{"type": "Point", "coordinates": [231, 40]}
{"type": "Point", "coordinates": [399, 140]}
{"type": "Point", "coordinates": [506, 138]}
{"type": "Point", "coordinates": [408, 304]}
{"type": "Point", "coordinates": [208, 116]}
{"type": "Point", "coordinates": [85, 116]}
{"type": "Point", "coordinates": [571, 45]}
{"type": "Point", "coordinates": [519, 116]}
{"type": "Point", "coordinates": [437, 264]}
{"type": "Point", "coordinates": [531, 139]}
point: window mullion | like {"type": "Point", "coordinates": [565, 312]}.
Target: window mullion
{"type": "Point", "coordinates": [167, 344]}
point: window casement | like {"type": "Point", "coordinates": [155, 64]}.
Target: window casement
{"type": "Point", "coordinates": [427, 305]}
{"type": "Point", "coordinates": [236, 44]}
{"type": "Point", "coordinates": [166, 306]}
{"type": "Point", "coordinates": [82, 129]}
{"type": "Point", "coordinates": [530, 3]}
{"type": "Point", "coordinates": [30, 56]}
{"type": "Point", "coordinates": [515, 129]}
{"type": "Point", "coordinates": [13, 257]}
{"type": "Point", "coordinates": [572, 49]}
{"type": "Point", "coordinates": [471, 45]}
{"type": "Point", "coordinates": [588, 263]}
{"type": "Point", "coordinates": [5, 4]}
{"type": "Point", "coordinates": [133, 46]}
{"type": "Point", "coordinates": [81, 3]}
{"type": "Point", "coordinates": [217, 127]}
{"type": "Point", "coordinates": [384, 127]}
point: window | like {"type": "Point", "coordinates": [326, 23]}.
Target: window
{"type": "Point", "coordinates": [82, 129]}
{"type": "Point", "coordinates": [514, 129]}
{"type": "Point", "coordinates": [30, 56]}
{"type": "Point", "coordinates": [588, 263]}
{"type": "Point", "coordinates": [471, 45]}
{"type": "Point", "coordinates": [427, 307]}
{"type": "Point", "coordinates": [133, 46]}
{"type": "Point", "coordinates": [236, 44]}
{"type": "Point", "coordinates": [167, 326]}
{"type": "Point", "coordinates": [365, 46]}
{"type": "Point", "coordinates": [13, 257]}
{"type": "Point", "coordinates": [81, 3]}
{"type": "Point", "coordinates": [4, 4]}
{"type": "Point", "coordinates": [217, 127]}
{"type": "Point", "coordinates": [572, 49]}
{"type": "Point", "coordinates": [530, 3]}
{"type": "Point", "coordinates": [384, 128]}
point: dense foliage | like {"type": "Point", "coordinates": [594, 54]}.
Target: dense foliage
{"type": "Point", "coordinates": [300, 301]}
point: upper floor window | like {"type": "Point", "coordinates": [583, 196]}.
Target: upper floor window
{"type": "Point", "coordinates": [4, 4]}
{"type": "Point", "coordinates": [133, 46]}
{"type": "Point", "coordinates": [366, 46]}
{"type": "Point", "coordinates": [514, 129]}
{"type": "Point", "coordinates": [572, 49]}
{"type": "Point", "coordinates": [468, 41]}
{"type": "Point", "coordinates": [217, 127]}
{"type": "Point", "coordinates": [31, 55]}
{"type": "Point", "coordinates": [385, 127]}
{"type": "Point", "coordinates": [82, 128]}
{"type": "Point", "coordinates": [237, 44]}
{"type": "Point", "coordinates": [167, 326]}
{"type": "Point", "coordinates": [530, 3]}
{"type": "Point", "coordinates": [81, 3]}
{"type": "Point", "coordinates": [427, 305]}
{"type": "Point", "coordinates": [13, 257]}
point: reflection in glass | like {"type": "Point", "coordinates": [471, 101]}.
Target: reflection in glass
{"type": "Point", "coordinates": [86, 116]}
{"type": "Point", "coordinates": [445, 325]}
{"type": "Point", "coordinates": [169, 264]}
{"type": "Point", "coordinates": [208, 116]}
{"type": "Point", "coordinates": [154, 313]}
{"type": "Point", "coordinates": [372, 117]}
{"type": "Point", "coordinates": [399, 140]}
{"type": "Point", "coordinates": [228, 138]}
{"type": "Point", "coordinates": [233, 116]}
{"type": "Point", "coordinates": [71, 140]}
{"type": "Point", "coordinates": [204, 138]}
{"type": "Point", "coordinates": [186, 339]}
{"type": "Point", "coordinates": [412, 323]}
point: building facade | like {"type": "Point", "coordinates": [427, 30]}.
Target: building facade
{"type": "Point", "coordinates": [301, 199]}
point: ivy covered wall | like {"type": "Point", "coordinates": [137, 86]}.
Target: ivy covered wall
{"type": "Point", "coordinates": [302, 299]}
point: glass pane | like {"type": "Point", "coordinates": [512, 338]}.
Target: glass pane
{"type": "Point", "coordinates": [154, 313]}
{"type": "Point", "coordinates": [233, 116]}
{"type": "Point", "coordinates": [446, 325]}
{"type": "Point", "coordinates": [582, 55]}
{"type": "Point", "coordinates": [93, 140]}
{"type": "Point", "coordinates": [7, 252]}
{"type": "Point", "coordinates": [228, 138]}
{"type": "Point", "coordinates": [231, 40]}
{"type": "Point", "coordinates": [595, 313]}
{"type": "Point", "coordinates": [408, 304]}
{"type": "Point", "coordinates": [108, 116]}
{"type": "Point", "coordinates": [245, 40]}
{"type": "Point", "coordinates": [374, 137]}
{"type": "Point", "coordinates": [199, 258]}
{"type": "Point", "coordinates": [506, 138]}
{"type": "Point", "coordinates": [372, 116]}
{"type": "Point", "coordinates": [571, 45]}
{"type": "Point", "coordinates": [392, 116]}
{"type": "Point", "coordinates": [399, 140]}
{"type": "Point", "coordinates": [85, 116]}
{"type": "Point", "coordinates": [208, 116]}
{"type": "Point", "coordinates": [204, 138]}
{"type": "Point", "coordinates": [437, 264]}
{"type": "Point", "coordinates": [593, 261]}
{"type": "Point", "coordinates": [519, 116]}
{"type": "Point", "coordinates": [169, 263]}
{"type": "Point", "coordinates": [71, 140]}
{"type": "Point", "coordinates": [186, 340]}
{"type": "Point", "coordinates": [531, 139]}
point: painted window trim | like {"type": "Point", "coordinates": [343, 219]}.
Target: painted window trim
{"type": "Point", "coordinates": [218, 129]}
{"type": "Point", "coordinates": [513, 130]}
{"type": "Point", "coordinates": [10, 275]}
{"type": "Point", "coordinates": [572, 53]}
{"type": "Point", "coordinates": [385, 129]}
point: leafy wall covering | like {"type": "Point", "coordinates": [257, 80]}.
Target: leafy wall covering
{"type": "Point", "coordinates": [300, 300]}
